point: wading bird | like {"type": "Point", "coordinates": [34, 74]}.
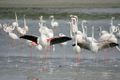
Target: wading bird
{"type": "Point", "coordinates": [44, 41]}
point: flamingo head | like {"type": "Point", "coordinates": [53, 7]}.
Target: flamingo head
{"type": "Point", "coordinates": [103, 32]}
{"type": "Point", "coordinates": [15, 24]}
{"type": "Point", "coordinates": [51, 17]}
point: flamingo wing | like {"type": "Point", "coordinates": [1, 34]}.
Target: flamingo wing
{"type": "Point", "coordinates": [58, 40]}
{"type": "Point", "coordinates": [107, 44]}
{"type": "Point", "coordinates": [30, 37]}
{"type": "Point", "coordinates": [84, 46]}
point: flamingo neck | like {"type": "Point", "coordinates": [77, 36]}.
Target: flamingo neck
{"type": "Point", "coordinates": [16, 19]}
{"type": "Point", "coordinates": [100, 31]}
{"type": "Point", "coordinates": [86, 33]}
{"type": "Point", "coordinates": [83, 28]}
{"type": "Point", "coordinates": [92, 32]}
{"type": "Point", "coordinates": [71, 30]}
{"type": "Point", "coordinates": [76, 39]}
{"type": "Point", "coordinates": [24, 21]}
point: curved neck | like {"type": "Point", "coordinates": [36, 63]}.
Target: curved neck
{"type": "Point", "coordinates": [24, 21]}
{"type": "Point", "coordinates": [83, 28]}
{"type": "Point", "coordinates": [100, 31]}
{"type": "Point", "coordinates": [75, 39]}
{"type": "Point", "coordinates": [112, 21]}
{"type": "Point", "coordinates": [86, 32]}
{"type": "Point", "coordinates": [16, 19]}
{"type": "Point", "coordinates": [41, 19]}
{"type": "Point", "coordinates": [70, 30]}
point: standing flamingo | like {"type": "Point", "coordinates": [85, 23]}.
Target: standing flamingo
{"type": "Point", "coordinates": [94, 46]}
{"type": "Point", "coordinates": [112, 27]}
{"type": "Point", "coordinates": [44, 29]}
{"type": "Point", "coordinates": [54, 23]}
{"type": "Point", "coordinates": [23, 30]}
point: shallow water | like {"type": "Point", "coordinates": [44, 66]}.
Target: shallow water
{"type": "Point", "coordinates": [20, 62]}
{"type": "Point", "coordinates": [25, 68]}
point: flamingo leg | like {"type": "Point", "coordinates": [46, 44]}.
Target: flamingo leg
{"type": "Point", "coordinates": [105, 56]}
{"type": "Point", "coordinates": [118, 48]}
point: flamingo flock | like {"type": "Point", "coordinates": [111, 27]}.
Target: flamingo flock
{"type": "Point", "coordinates": [80, 38]}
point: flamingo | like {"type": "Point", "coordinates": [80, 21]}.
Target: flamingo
{"type": "Point", "coordinates": [13, 35]}
{"type": "Point", "coordinates": [105, 36]}
{"type": "Point", "coordinates": [76, 48]}
{"type": "Point", "coordinates": [15, 24]}
{"type": "Point", "coordinates": [118, 33]}
{"type": "Point", "coordinates": [23, 30]}
{"type": "Point", "coordinates": [44, 41]}
{"type": "Point", "coordinates": [54, 23]}
{"type": "Point", "coordinates": [94, 45]}
{"type": "Point", "coordinates": [44, 29]}
{"type": "Point", "coordinates": [113, 28]}
{"type": "Point", "coordinates": [74, 28]}
{"type": "Point", "coordinates": [7, 28]}
{"type": "Point", "coordinates": [91, 41]}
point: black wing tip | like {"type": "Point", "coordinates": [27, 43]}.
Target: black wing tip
{"type": "Point", "coordinates": [114, 44]}
{"type": "Point", "coordinates": [67, 38]}
{"type": "Point", "coordinates": [58, 40]}
{"type": "Point", "coordinates": [23, 36]}
{"type": "Point", "coordinates": [77, 44]}
{"type": "Point", "coordinates": [29, 37]}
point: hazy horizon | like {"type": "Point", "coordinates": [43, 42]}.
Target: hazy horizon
{"type": "Point", "coordinates": [57, 3]}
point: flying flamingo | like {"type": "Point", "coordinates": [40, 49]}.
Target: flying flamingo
{"type": "Point", "coordinates": [45, 41]}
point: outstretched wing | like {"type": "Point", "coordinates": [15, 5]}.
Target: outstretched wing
{"type": "Point", "coordinates": [57, 40]}
{"type": "Point", "coordinates": [107, 44]}
{"type": "Point", "coordinates": [84, 46]}
{"type": "Point", "coordinates": [30, 37]}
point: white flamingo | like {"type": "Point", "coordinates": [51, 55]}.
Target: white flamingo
{"type": "Point", "coordinates": [44, 29]}
{"type": "Point", "coordinates": [15, 24]}
{"type": "Point", "coordinates": [105, 36]}
{"type": "Point", "coordinates": [54, 23]}
{"type": "Point", "coordinates": [23, 30]}
{"type": "Point", "coordinates": [74, 28]}
{"type": "Point", "coordinates": [112, 27]}
{"type": "Point", "coordinates": [9, 30]}
{"type": "Point", "coordinates": [118, 33]}
{"type": "Point", "coordinates": [76, 48]}
{"type": "Point", "coordinates": [13, 35]}
{"type": "Point", "coordinates": [95, 46]}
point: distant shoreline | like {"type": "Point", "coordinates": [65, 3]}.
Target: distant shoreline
{"type": "Point", "coordinates": [59, 13]}
{"type": "Point", "coordinates": [62, 5]}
